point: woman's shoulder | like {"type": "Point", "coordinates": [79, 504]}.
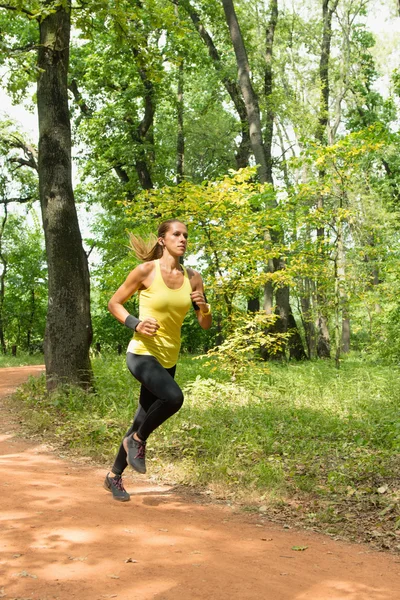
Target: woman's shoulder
{"type": "Point", "coordinates": [143, 270]}
{"type": "Point", "coordinates": [192, 272]}
{"type": "Point", "coordinates": [194, 276]}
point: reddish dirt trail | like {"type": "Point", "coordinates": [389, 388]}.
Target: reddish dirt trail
{"type": "Point", "coordinates": [62, 536]}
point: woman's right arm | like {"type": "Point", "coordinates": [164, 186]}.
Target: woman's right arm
{"type": "Point", "coordinates": [132, 284]}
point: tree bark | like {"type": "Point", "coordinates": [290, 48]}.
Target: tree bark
{"type": "Point", "coordinates": [343, 300]}
{"type": "Point", "coordinates": [3, 262]}
{"type": "Point", "coordinates": [31, 320]}
{"type": "Point", "coordinates": [323, 344]}
{"type": "Point", "coordinates": [68, 328]}
{"type": "Point", "coordinates": [249, 95]}
{"type": "Point", "coordinates": [180, 143]}
{"type": "Point", "coordinates": [307, 317]}
{"type": "Point", "coordinates": [268, 86]}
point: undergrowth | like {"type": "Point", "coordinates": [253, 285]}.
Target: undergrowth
{"type": "Point", "coordinates": [297, 441]}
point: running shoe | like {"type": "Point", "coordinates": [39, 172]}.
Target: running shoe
{"type": "Point", "coordinates": [115, 486]}
{"type": "Point", "coordinates": [135, 454]}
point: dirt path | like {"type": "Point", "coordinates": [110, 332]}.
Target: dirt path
{"type": "Point", "coordinates": [62, 536]}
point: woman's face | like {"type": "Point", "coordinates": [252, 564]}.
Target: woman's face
{"type": "Point", "coordinates": [175, 239]}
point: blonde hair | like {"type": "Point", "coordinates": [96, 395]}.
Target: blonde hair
{"type": "Point", "coordinates": [149, 249]}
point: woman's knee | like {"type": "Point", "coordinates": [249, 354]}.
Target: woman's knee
{"type": "Point", "coordinates": [175, 400]}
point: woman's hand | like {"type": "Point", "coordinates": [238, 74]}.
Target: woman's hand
{"type": "Point", "coordinates": [148, 327]}
{"type": "Point", "coordinates": [198, 298]}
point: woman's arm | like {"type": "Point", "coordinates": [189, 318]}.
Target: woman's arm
{"type": "Point", "coordinates": [204, 311]}
{"type": "Point", "coordinates": [136, 279]}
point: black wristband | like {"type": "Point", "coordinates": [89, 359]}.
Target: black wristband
{"type": "Point", "coordinates": [196, 306]}
{"type": "Point", "coordinates": [132, 322]}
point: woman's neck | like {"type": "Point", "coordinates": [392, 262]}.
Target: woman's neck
{"type": "Point", "coordinates": [169, 262]}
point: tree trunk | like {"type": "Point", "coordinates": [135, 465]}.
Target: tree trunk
{"type": "Point", "coordinates": [180, 143]}
{"type": "Point", "coordinates": [307, 317]}
{"type": "Point", "coordinates": [268, 87]}
{"type": "Point", "coordinates": [253, 305]}
{"type": "Point", "coordinates": [31, 320]}
{"type": "Point", "coordinates": [68, 328]}
{"type": "Point", "coordinates": [323, 345]}
{"type": "Point", "coordinates": [249, 95]}
{"type": "Point", "coordinates": [346, 331]}
{"type": "Point", "coordinates": [343, 300]}
{"type": "Point", "coordinates": [296, 346]}
{"type": "Point", "coordinates": [4, 264]}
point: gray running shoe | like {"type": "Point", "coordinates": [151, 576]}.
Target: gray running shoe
{"type": "Point", "coordinates": [114, 485]}
{"type": "Point", "coordinates": [135, 454]}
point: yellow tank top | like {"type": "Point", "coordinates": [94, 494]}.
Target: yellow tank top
{"type": "Point", "coordinates": [169, 307]}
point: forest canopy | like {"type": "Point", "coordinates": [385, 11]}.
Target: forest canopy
{"type": "Point", "coordinates": [270, 128]}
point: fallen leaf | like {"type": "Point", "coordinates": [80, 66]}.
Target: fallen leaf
{"type": "Point", "coordinates": [299, 548]}
{"type": "Point", "coordinates": [130, 560]}
{"type": "Point", "coordinates": [383, 489]}
{"type": "Point", "coordinates": [114, 576]}
{"type": "Point", "coordinates": [163, 530]}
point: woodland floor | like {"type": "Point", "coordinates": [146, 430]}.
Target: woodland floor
{"type": "Point", "coordinates": [62, 536]}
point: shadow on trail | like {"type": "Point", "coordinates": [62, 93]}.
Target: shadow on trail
{"type": "Point", "coordinates": [63, 536]}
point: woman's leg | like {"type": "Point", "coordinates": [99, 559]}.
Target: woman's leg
{"type": "Point", "coordinates": [147, 400]}
{"type": "Point", "coordinates": [161, 397]}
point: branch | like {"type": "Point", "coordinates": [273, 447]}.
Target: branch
{"type": "Point", "coordinates": [88, 253]}
{"type": "Point", "coordinates": [21, 9]}
{"type": "Point", "coordinates": [6, 201]}
{"type": "Point", "coordinates": [26, 48]}
{"type": "Point", "coordinates": [86, 110]}
{"type": "Point", "coordinates": [29, 151]}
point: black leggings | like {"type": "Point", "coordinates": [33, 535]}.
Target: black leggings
{"type": "Point", "coordinates": [160, 398]}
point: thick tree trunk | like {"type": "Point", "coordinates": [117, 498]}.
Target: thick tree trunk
{"type": "Point", "coordinates": [68, 328]}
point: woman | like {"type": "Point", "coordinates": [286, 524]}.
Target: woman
{"type": "Point", "coordinates": [166, 291]}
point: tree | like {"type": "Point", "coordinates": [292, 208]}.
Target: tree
{"type": "Point", "coordinates": [68, 329]}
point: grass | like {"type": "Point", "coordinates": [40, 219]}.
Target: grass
{"type": "Point", "coordinates": [303, 442]}
{"type": "Point", "coordinates": [22, 359]}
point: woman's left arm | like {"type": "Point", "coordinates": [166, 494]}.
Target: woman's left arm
{"type": "Point", "coordinates": [204, 310]}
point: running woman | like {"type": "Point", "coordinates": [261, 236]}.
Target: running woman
{"type": "Point", "coordinates": [166, 291]}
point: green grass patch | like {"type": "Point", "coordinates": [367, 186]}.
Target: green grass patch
{"type": "Point", "coordinates": [306, 434]}
{"type": "Point", "coordinates": [21, 360]}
